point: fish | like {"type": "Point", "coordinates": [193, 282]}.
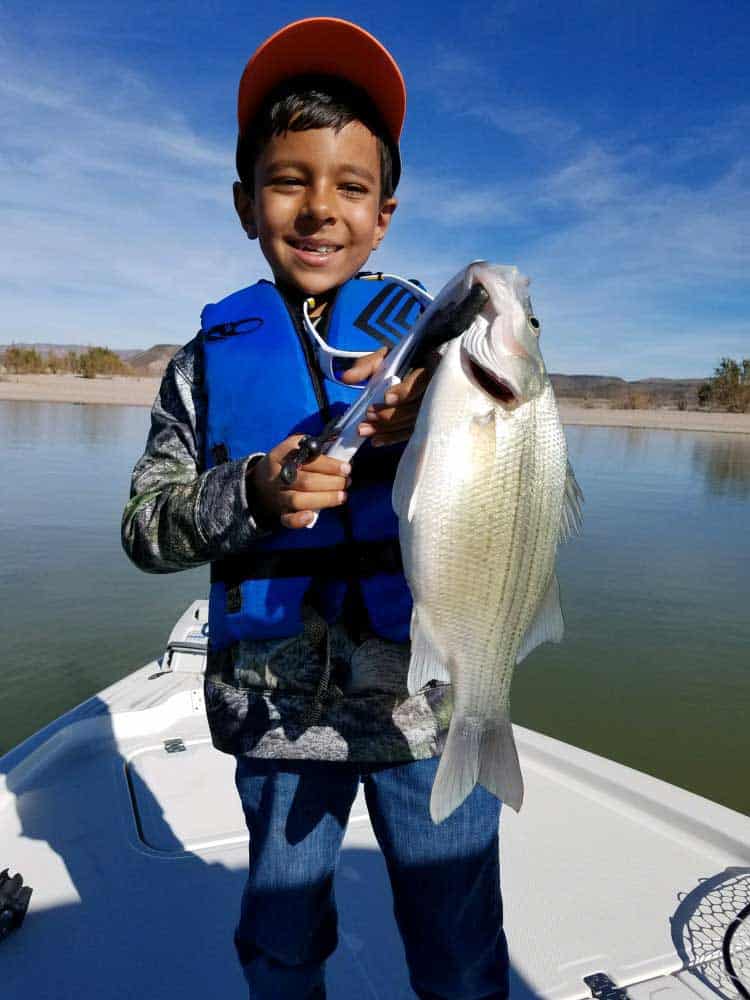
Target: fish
{"type": "Point", "coordinates": [484, 493]}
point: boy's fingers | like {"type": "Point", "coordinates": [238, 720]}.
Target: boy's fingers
{"type": "Point", "coordinates": [410, 389]}
{"type": "Point", "coordinates": [393, 416]}
{"type": "Point", "coordinates": [311, 482]}
{"type": "Point", "coordinates": [326, 466]}
{"type": "Point", "coordinates": [298, 520]}
{"type": "Point", "coordinates": [293, 501]}
{"type": "Point", "coordinates": [414, 384]}
{"type": "Point", "coordinates": [363, 368]}
{"type": "Point", "coordinates": [280, 452]}
{"type": "Point", "coordinates": [392, 438]}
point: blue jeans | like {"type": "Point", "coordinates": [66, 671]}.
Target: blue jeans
{"type": "Point", "coordinates": [445, 878]}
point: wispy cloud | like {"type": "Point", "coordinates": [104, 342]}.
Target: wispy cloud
{"type": "Point", "coordinates": [116, 215]}
{"type": "Point", "coordinates": [640, 258]}
{"type": "Point", "coordinates": [118, 224]}
{"type": "Point", "coordinates": [463, 84]}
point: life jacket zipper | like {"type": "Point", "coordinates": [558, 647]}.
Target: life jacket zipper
{"type": "Point", "coordinates": [313, 371]}
{"type": "Point", "coordinates": [343, 512]}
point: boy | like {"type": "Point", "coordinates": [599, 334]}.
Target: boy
{"type": "Point", "coordinates": [308, 655]}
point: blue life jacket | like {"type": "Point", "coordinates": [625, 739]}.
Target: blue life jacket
{"type": "Point", "coordinates": [263, 384]}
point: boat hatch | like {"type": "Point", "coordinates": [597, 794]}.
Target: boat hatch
{"type": "Point", "coordinates": [186, 646]}
{"type": "Point", "coordinates": [183, 798]}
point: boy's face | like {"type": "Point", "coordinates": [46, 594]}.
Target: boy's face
{"type": "Point", "coordinates": [316, 205]}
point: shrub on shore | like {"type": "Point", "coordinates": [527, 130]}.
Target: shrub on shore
{"type": "Point", "coordinates": [67, 362]}
{"type": "Point", "coordinates": [101, 361]}
{"type": "Point", "coordinates": [22, 360]}
{"type": "Point", "coordinates": [729, 388]}
{"type": "Point", "coordinates": [90, 363]}
{"type": "Point", "coordinates": [638, 401]}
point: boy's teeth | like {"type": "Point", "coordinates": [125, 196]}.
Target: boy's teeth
{"type": "Point", "coordinates": [314, 248]}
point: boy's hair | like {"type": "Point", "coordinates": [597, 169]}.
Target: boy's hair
{"type": "Point", "coordinates": [307, 102]}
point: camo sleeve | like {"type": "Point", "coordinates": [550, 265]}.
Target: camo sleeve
{"type": "Point", "coordinates": [180, 515]}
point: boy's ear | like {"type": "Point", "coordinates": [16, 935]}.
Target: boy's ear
{"type": "Point", "coordinates": [387, 208]}
{"type": "Point", "coordinates": [243, 206]}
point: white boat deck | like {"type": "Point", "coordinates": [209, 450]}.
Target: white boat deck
{"type": "Point", "coordinates": [137, 858]}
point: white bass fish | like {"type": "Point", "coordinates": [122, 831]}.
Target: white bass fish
{"type": "Point", "coordinates": [484, 493]}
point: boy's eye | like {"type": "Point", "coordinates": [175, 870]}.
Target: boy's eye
{"type": "Point", "coordinates": [352, 188]}
{"type": "Point", "coordinates": [287, 181]}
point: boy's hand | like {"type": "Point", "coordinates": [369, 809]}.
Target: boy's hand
{"type": "Point", "coordinates": [394, 420]}
{"type": "Point", "coordinates": [320, 483]}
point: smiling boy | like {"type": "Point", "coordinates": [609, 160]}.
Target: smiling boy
{"type": "Point", "coordinates": [316, 206]}
{"type": "Point", "coordinates": [308, 654]}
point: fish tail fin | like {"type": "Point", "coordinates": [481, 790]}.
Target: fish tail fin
{"type": "Point", "coordinates": [459, 767]}
{"type": "Point", "coordinates": [499, 769]}
{"type": "Point", "coordinates": [477, 752]}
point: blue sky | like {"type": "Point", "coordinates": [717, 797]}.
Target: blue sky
{"type": "Point", "coordinates": [600, 146]}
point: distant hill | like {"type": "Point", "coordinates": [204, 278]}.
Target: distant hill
{"type": "Point", "coordinates": [152, 362]}
{"type": "Point", "coordinates": [660, 390]}
{"type": "Point", "coordinates": [600, 386]}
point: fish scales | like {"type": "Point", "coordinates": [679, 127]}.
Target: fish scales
{"type": "Point", "coordinates": [469, 558]}
{"type": "Point", "coordinates": [480, 493]}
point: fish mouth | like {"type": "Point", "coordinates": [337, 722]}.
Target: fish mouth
{"type": "Point", "coordinates": [490, 383]}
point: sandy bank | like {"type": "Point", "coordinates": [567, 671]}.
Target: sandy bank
{"type": "Point", "coordinates": [122, 390]}
{"type": "Point", "coordinates": [128, 391]}
{"type": "Point", "coordinates": [661, 419]}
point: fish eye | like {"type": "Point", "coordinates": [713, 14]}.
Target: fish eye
{"type": "Point", "coordinates": [534, 325]}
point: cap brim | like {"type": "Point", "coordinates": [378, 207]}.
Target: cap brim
{"type": "Point", "coordinates": [330, 46]}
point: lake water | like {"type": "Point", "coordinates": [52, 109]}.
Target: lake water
{"type": "Point", "coordinates": [655, 668]}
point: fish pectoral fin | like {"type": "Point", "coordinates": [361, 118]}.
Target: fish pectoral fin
{"type": "Point", "coordinates": [405, 491]}
{"type": "Point", "coordinates": [477, 751]}
{"type": "Point", "coordinates": [572, 515]}
{"type": "Point", "coordinates": [547, 624]}
{"type": "Point", "coordinates": [426, 663]}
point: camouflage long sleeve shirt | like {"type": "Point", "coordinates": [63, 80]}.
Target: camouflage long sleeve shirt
{"type": "Point", "coordinates": [262, 695]}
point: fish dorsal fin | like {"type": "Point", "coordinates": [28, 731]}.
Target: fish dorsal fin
{"type": "Point", "coordinates": [547, 625]}
{"type": "Point", "coordinates": [572, 515]}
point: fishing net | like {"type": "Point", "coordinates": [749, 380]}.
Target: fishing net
{"type": "Point", "coordinates": [711, 930]}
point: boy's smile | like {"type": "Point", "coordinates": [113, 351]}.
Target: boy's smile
{"type": "Point", "coordinates": [316, 206]}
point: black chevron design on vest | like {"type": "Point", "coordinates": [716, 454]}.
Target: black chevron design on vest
{"type": "Point", "coordinates": [385, 318]}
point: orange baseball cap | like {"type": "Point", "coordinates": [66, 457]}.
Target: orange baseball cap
{"type": "Point", "coordinates": [334, 47]}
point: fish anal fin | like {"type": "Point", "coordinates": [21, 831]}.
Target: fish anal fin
{"type": "Point", "coordinates": [426, 663]}
{"type": "Point", "coordinates": [547, 625]}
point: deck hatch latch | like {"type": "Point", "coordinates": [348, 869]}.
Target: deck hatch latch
{"type": "Point", "coordinates": [174, 746]}
{"type": "Point", "coordinates": [603, 988]}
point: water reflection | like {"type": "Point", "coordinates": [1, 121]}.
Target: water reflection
{"type": "Point", "coordinates": [635, 441]}
{"type": "Point", "coordinates": [720, 463]}
{"type": "Point", "coordinates": [30, 425]}
{"type": "Point", "coordinates": [724, 462]}
{"type": "Point", "coordinates": [655, 591]}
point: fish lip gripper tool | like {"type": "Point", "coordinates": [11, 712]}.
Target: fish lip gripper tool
{"type": "Point", "coordinates": [435, 327]}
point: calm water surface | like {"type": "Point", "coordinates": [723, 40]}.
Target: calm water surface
{"type": "Point", "coordinates": [655, 668]}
